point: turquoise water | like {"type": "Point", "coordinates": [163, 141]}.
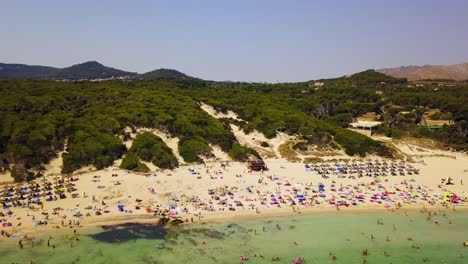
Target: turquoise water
{"type": "Point", "coordinates": [313, 237]}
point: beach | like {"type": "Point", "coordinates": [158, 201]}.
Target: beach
{"type": "Point", "coordinates": [226, 190]}
{"type": "Point", "coordinates": [427, 185]}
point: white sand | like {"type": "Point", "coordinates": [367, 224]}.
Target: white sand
{"type": "Point", "coordinates": [216, 114]}
{"type": "Point", "coordinates": [181, 185]}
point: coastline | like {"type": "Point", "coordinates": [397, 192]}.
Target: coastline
{"type": "Point", "coordinates": [220, 217]}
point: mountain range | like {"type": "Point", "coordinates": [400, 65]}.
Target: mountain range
{"type": "Point", "coordinates": [91, 70]}
{"type": "Point", "coordinates": [457, 72]}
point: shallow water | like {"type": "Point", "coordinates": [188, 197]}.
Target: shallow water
{"type": "Point", "coordinates": [312, 237]}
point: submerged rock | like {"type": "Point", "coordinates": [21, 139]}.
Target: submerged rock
{"type": "Point", "coordinates": [211, 233]}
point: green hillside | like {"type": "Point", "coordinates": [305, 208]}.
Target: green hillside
{"type": "Point", "coordinates": [89, 119]}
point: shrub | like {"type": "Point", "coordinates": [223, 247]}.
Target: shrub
{"type": "Point", "coordinates": [190, 149]}
{"type": "Point", "coordinates": [151, 148]}
{"type": "Point", "coordinates": [131, 162]}
{"type": "Point", "coordinates": [242, 153]}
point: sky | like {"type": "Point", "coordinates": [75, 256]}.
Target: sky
{"type": "Point", "coordinates": [240, 40]}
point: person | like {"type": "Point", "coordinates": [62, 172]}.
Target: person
{"type": "Point", "coordinates": [20, 243]}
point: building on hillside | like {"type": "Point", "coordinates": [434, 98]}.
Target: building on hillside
{"type": "Point", "coordinates": [365, 125]}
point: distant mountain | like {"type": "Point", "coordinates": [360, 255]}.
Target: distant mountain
{"type": "Point", "coordinates": [90, 70]}
{"type": "Point", "coordinates": [162, 73]}
{"type": "Point", "coordinates": [457, 72]}
{"type": "Point", "coordinates": [372, 76]}
{"type": "Point", "coordinates": [21, 71]}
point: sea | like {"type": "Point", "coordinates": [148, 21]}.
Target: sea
{"type": "Point", "coordinates": [317, 238]}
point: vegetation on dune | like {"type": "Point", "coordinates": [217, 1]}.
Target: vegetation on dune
{"type": "Point", "coordinates": [131, 162]}
{"type": "Point", "coordinates": [88, 119]}
{"type": "Point", "coordinates": [242, 153]}
{"type": "Point", "coordinates": [151, 148]}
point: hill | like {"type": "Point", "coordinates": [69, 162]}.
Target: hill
{"type": "Point", "coordinates": [457, 72]}
{"type": "Point", "coordinates": [162, 73]}
{"type": "Point", "coordinates": [90, 70]}
{"type": "Point", "coordinates": [372, 76]}
{"type": "Point", "coordinates": [22, 71]}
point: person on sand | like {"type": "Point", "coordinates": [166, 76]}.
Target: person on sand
{"type": "Point", "coordinates": [20, 243]}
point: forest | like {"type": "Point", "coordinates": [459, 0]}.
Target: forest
{"type": "Point", "coordinates": [89, 120]}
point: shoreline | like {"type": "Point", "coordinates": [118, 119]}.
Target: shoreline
{"type": "Point", "coordinates": [220, 217]}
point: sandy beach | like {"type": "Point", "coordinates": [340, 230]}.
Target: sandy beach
{"type": "Point", "coordinates": [223, 190]}
{"type": "Point", "coordinates": [226, 191]}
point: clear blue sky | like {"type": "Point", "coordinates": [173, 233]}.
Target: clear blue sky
{"type": "Point", "coordinates": [249, 40]}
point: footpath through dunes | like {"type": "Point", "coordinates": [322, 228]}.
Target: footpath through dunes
{"type": "Point", "coordinates": [267, 148]}
{"type": "Point", "coordinates": [279, 147]}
